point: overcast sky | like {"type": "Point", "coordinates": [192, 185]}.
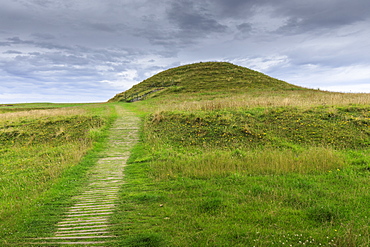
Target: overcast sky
{"type": "Point", "coordinates": [90, 50]}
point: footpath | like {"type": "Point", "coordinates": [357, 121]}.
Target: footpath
{"type": "Point", "coordinates": [87, 222]}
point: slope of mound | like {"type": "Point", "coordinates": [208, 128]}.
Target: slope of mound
{"type": "Point", "coordinates": [203, 77]}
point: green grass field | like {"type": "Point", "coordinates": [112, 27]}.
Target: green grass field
{"type": "Point", "coordinates": [45, 152]}
{"type": "Point", "coordinates": [268, 164]}
{"type": "Point", "coordinates": [272, 165]}
{"type": "Point", "coordinates": [266, 176]}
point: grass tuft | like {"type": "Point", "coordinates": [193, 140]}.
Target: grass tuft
{"type": "Point", "coordinates": [144, 240]}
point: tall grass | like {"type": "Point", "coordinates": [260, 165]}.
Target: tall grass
{"type": "Point", "coordinates": [264, 99]}
{"type": "Point", "coordinates": [192, 197]}
{"type": "Point", "coordinates": [37, 147]}
{"type": "Point", "coordinates": [35, 114]}
{"type": "Point", "coordinates": [218, 163]}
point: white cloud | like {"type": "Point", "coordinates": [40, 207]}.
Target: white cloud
{"type": "Point", "coordinates": [262, 64]}
{"type": "Point", "coordinates": [123, 80]}
{"type": "Point", "coordinates": [342, 79]}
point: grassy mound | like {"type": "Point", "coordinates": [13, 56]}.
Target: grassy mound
{"type": "Point", "coordinates": [216, 77]}
{"type": "Point", "coordinates": [264, 166]}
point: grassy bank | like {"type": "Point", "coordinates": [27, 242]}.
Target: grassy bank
{"type": "Point", "coordinates": [45, 150]}
{"type": "Point", "coordinates": [247, 175]}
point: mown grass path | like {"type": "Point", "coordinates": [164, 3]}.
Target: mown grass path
{"type": "Point", "coordinates": [87, 222]}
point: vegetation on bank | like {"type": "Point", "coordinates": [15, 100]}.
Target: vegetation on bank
{"type": "Point", "coordinates": [261, 167]}
{"type": "Point", "coordinates": [267, 176]}
{"type": "Point", "coordinates": [45, 152]}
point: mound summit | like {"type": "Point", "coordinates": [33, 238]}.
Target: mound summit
{"type": "Point", "coordinates": [203, 77]}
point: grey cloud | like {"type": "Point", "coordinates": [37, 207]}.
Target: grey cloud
{"type": "Point", "coordinates": [73, 64]}
{"type": "Point", "coordinates": [244, 31]}
{"type": "Point", "coordinates": [42, 3]}
{"type": "Point", "coordinates": [43, 36]}
{"type": "Point", "coordinates": [12, 52]}
{"type": "Point", "coordinates": [103, 27]}
{"type": "Point", "coordinates": [321, 14]}
{"type": "Point", "coordinates": [300, 16]}
{"type": "Point", "coordinates": [5, 43]}
{"type": "Point", "coordinates": [47, 45]}
{"type": "Point", "coordinates": [16, 17]}
{"type": "Point", "coordinates": [185, 24]}
{"type": "Point", "coordinates": [236, 9]}
{"type": "Point", "coordinates": [171, 40]}
{"type": "Point", "coordinates": [17, 40]}
{"type": "Point", "coordinates": [245, 27]}
{"type": "Point", "coordinates": [185, 15]}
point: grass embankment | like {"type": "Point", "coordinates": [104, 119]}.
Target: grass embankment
{"type": "Point", "coordinates": [220, 173]}
{"type": "Point", "coordinates": [42, 164]}
{"type": "Point", "coordinates": [210, 78]}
